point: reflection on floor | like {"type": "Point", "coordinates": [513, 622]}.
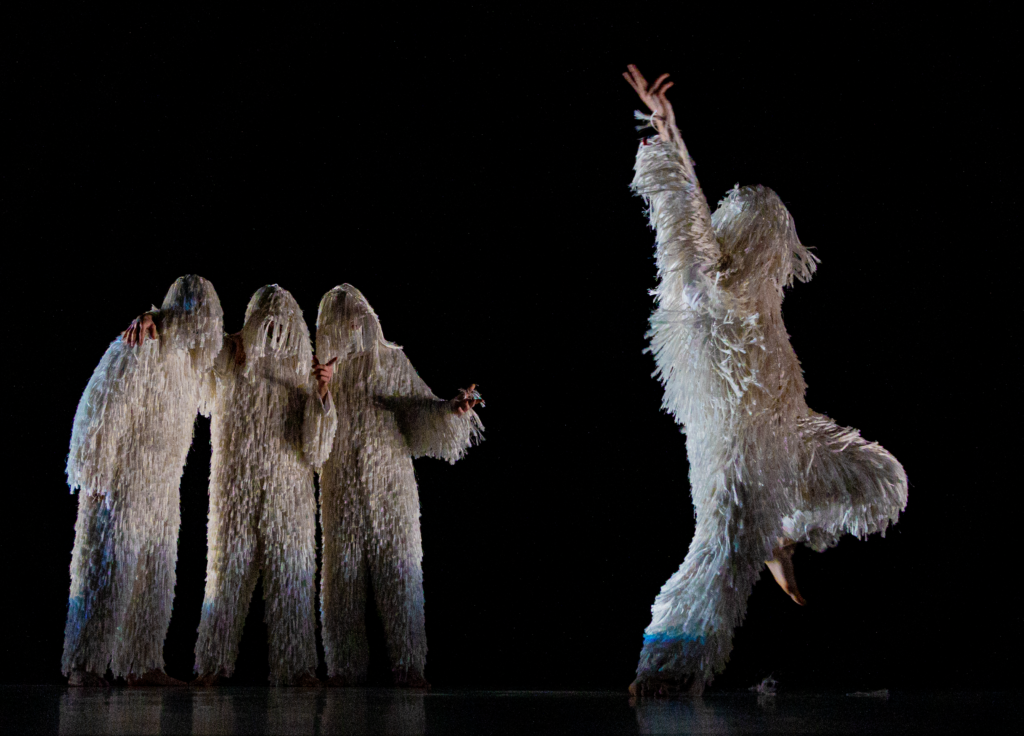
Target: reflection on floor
{"type": "Point", "coordinates": [45, 709]}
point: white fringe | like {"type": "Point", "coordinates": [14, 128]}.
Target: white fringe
{"type": "Point", "coordinates": [761, 463]}
{"type": "Point", "coordinates": [269, 431]}
{"type": "Point", "coordinates": [369, 500]}
{"type": "Point", "coordinates": [130, 438]}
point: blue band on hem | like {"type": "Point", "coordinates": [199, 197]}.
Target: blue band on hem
{"type": "Point", "coordinates": [666, 637]}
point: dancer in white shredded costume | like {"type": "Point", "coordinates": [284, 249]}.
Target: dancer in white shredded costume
{"type": "Point", "coordinates": [131, 434]}
{"type": "Point", "coordinates": [273, 422]}
{"type": "Point", "coordinates": [766, 472]}
{"type": "Point", "coordinates": [369, 502]}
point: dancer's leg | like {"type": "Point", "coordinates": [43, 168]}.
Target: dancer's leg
{"type": "Point", "coordinates": [232, 568]}
{"type": "Point", "coordinates": [396, 571]}
{"type": "Point", "coordinates": [343, 585]}
{"type": "Point", "coordinates": [88, 633]}
{"type": "Point", "coordinates": [288, 528]}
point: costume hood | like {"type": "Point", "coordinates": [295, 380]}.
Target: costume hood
{"type": "Point", "coordinates": [347, 327]}
{"type": "Point", "coordinates": [757, 236]}
{"type": "Point", "coordinates": [191, 318]}
{"type": "Point", "coordinates": [274, 329]}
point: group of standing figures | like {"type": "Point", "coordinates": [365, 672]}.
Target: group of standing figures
{"type": "Point", "coordinates": [766, 472]}
{"type": "Point", "coordinates": [278, 415]}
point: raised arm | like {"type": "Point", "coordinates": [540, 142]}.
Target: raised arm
{"type": "Point", "coordinates": [688, 254]}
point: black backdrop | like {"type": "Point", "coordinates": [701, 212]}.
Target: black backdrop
{"type": "Point", "coordinates": [468, 172]}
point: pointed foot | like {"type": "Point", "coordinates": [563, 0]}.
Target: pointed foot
{"type": "Point", "coordinates": [153, 678]}
{"type": "Point", "coordinates": [82, 678]}
{"type": "Point", "coordinates": [781, 566]}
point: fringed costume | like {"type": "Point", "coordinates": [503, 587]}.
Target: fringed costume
{"type": "Point", "coordinates": [269, 430]}
{"type": "Point", "coordinates": [131, 435]}
{"type": "Point", "coordinates": [369, 503]}
{"type": "Point", "coordinates": [762, 465]}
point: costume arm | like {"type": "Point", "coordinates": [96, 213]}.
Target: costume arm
{"type": "Point", "coordinates": [429, 424]}
{"type": "Point", "coordinates": [101, 422]}
{"type": "Point", "coordinates": [687, 251]}
{"type": "Point", "coordinates": [98, 426]}
{"type": "Point", "coordinates": [213, 380]}
{"type": "Point", "coordinates": [319, 424]}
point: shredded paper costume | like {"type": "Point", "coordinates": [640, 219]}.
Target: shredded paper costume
{"type": "Point", "coordinates": [763, 466]}
{"type": "Point", "coordinates": [130, 438]}
{"type": "Point", "coordinates": [369, 502]}
{"type": "Point", "coordinates": [269, 431]}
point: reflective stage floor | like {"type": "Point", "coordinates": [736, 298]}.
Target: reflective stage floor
{"type": "Point", "coordinates": [50, 709]}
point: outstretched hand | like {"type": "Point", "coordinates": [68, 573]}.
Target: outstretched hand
{"type": "Point", "coordinates": [140, 328]}
{"type": "Point", "coordinates": [466, 400]}
{"type": "Point", "coordinates": [664, 117]}
{"type": "Point", "coordinates": [323, 372]}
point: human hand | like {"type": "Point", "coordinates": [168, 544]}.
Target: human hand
{"type": "Point", "coordinates": [323, 372]}
{"type": "Point", "coordinates": [664, 117]}
{"type": "Point", "coordinates": [141, 327]}
{"type": "Point", "coordinates": [466, 400]}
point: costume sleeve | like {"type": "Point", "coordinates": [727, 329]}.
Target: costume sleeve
{"type": "Point", "coordinates": [213, 380]}
{"type": "Point", "coordinates": [430, 426]}
{"type": "Point", "coordinates": [318, 427]}
{"type": "Point", "coordinates": [687, 251]}
{"type": "Point", "coordinates": [696, 321]}
{"type": "Point", "coordinates": [103, 419]}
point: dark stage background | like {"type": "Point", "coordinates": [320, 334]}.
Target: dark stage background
{"type": "Point", "coordinates": [469, 173]}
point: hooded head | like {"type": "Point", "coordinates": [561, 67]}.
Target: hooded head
{"type": "Point", "coordinates": [274, 329]}
{"type": "Point", "coordinates": [347, 326]}
{"type": "Point", "coordinates": [758, 239]}
{"type": "Point", "coordinates": [191, 317]}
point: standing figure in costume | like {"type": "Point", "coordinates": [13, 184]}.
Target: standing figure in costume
{"type": "Point", "coordinates": [131, 434]}
{"type": "Point", "coordinates": [273, 423]}
{"type": "Point", "coordinates": [369, 504]}
{"type": "Point", "coordinates": [766, 472]}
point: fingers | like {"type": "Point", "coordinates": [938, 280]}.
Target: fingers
{"type": "Point", "coordinates": [652, 95]}
{"type": "Point", "coordinates": [332, 361]}
{"type": "Point", "coordinates": [633, 84]}
{"type": "Point", "coordinates": [657, 82]}
{"type": "Point", "coordinates": [316, 361]}
{"type": "Point", "coordinates": [151, 330]}
{"type": "Point", "coordinates": [638, 78]}
{"type": "Point", "coordinates": [663, 100]}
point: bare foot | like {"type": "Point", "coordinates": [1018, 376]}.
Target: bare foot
{"type": "Point", "coordinates": [402, 677]}
{"type": "Point", "coordinates": [306, 679]}
{"type": "Point", "coordinates": [782, 570]}
{"type": "Point", "coordinates": [666, 687]}
{"type": "Point", "coordinates": [154, 678]}
{"type": "Point", "coordinates": [209, 680]}
{"type": "Point", "coordinates": [343, 681]}
{"type": "Point", "coordinates": [81, 678]}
